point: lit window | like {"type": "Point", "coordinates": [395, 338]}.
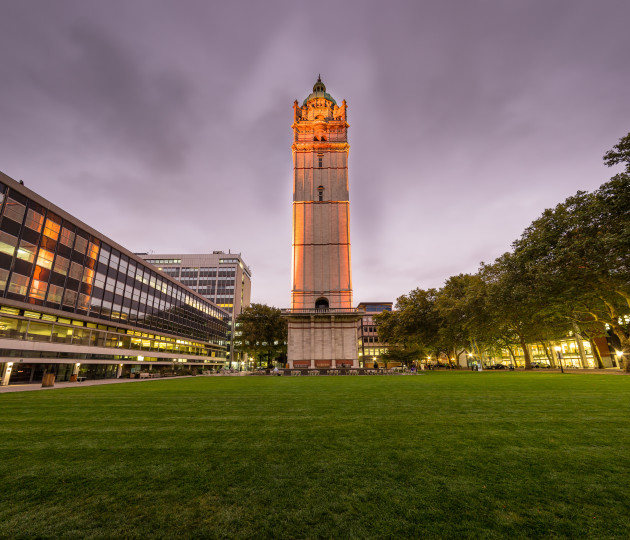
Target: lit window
{"type": "Point", "coordinates": [26, 251]}
{"type": "Point", "coordinates": [92, 251]}
{"type": "Point", "coordinates": [88, 276]}
{"type": "Point", "coordinates": [45, 258]}
{"type": "Point", "coordinates": [8, 243]}
{"type": "Point", "coordinates": [38, 289]}
{"type": "Point", "coordinates": [51, 230]}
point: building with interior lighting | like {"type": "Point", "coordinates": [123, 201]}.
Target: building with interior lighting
{"type": "Point", "coordinates": [222, 278]}
{"type": "Point", "coordinates": [370, 348]}
{"type": "Point", "coordinates": [75, 303]}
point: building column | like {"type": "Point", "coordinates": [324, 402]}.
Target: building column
{"type": "Point", "coordinates": [119, 371]}
{"type": "Point", "coordinates": [8, 367]}
{"type": "Point", "coordinates": [584, 361]}
{"type": "Point", "coordinates": [335, 337]}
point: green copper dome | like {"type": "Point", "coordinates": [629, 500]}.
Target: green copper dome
{"type": "Point", "coordinates": [319, 91]}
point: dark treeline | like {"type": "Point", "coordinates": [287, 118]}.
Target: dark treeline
{"type": "Point", "coordinates": [568, 272]}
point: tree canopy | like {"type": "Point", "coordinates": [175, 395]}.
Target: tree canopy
{"type": "Point", "coordinates": [568, 272]}
{"type": "Point", "coordinates": [261, 332]}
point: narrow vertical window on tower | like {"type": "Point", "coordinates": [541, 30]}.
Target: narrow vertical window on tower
{"type": "Point", "coordinates": [320, 160]}
{"type": "Point", "coordinates": [320, 193]}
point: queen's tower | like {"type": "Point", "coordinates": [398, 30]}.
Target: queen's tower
{"type": "Point", "coordinates": [322, 321]}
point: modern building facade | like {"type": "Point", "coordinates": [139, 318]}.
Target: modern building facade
{"type": "Point", "coordinates": [222, 278]}
{"type": "Point", "coordinates": [370, 347]}
{"type": "Point", "coordinates": [75, 303]}
{"type": "Point", "coordinates": [322, 321]}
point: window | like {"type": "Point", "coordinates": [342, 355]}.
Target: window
{"type": "Point", "coordinates": [61, 265]}
{"type": "Point", "coordinates": [70, 298]}
{"type": "Point", "coordinates": [75, 271]}
{"type": "Point", "coordinates": [4, 275]}
{"type": "Point", "coordinates": [45, 258]}
{"type": "Point", "coordinates": [80, 244]}
{"type": "Point", "coordinates": [19, 284]}
{"type": "Point", "coordinates": [8, 243]}
{"type": "Point", "coordinates": [38, 289]}
{"type": "Point", "coordinates": [320, 160]}
{"type": "Point", "coordinates": [320, 193]}
{"type": "Point", "coordinates": [67, 237]}
{"type": "Point", "coordinates": [92, 250]}
{"type": "Point", "coordinates": [14, 210]}
{"type": "Point", "coordinates": [51, 230]}
{"type": "Point", "coordinates": [54, 294]}
{"type": "Point", "coordinates": [26, 251]}
{"type": "Point", "coordinates": [88, 276]}
{"type": "Point", "coordinates": [34, 220]}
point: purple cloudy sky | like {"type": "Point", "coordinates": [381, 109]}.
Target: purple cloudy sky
{"type": "Point", "coordinates": [166, 125]}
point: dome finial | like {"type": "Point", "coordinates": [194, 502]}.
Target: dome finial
{"type": "Point", "coordinates": [319, 85]}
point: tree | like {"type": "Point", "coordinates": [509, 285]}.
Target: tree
{"type": "Point", "coordinates": [579, 253]}
{"type": "Point", "coordinates": [620, 153]}
{"type": "Point", "coordinates": [519, 310]}
{"type": "Point", "coordinates": [261, 332]}
{"type": "Point", "coordinates": [459, 304]}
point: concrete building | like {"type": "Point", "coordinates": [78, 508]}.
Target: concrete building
{"type": "Point", "coordinates": [74, 303]}
{"type": "Point", "coordinates": [370, 348]}
{"type": "Point", "coordinates": [222, 278]}
{"type": "Point", "coordinates": [322, 321]}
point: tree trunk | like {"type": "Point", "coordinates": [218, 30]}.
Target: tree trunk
{"type": "Point", "coordinates": [549, 356]}
{"type": "Point", "coordinates": [596, 355]}
{"type": "Point", "coordinates": [528, 360]}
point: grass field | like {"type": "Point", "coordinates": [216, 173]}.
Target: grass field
{"type": "Point", "coordinates": [444, 455]}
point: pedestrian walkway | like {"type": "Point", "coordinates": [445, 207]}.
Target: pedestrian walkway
{"type": "Point", "coordinates": [38, 386]}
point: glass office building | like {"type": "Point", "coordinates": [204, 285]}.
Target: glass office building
{"type": "Point", "coordinates": [73, 302]}
{"type": "Point", "coordinates": [222, 278]}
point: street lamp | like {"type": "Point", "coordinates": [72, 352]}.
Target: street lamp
{"type": "Point", "coordinates": [559, 355]}
{"type": "Point", "coordinates": [619, 355]}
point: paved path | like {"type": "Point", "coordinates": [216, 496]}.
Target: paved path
{"type": "Point", "coordinates": [38, 386]}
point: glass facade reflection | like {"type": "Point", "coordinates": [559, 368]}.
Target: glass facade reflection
{"type": "Point", "coordinates": [62, 282]}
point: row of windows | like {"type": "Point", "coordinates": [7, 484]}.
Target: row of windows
{"type": "Point", "coordinates": [164, 261]}
{"type": "Point", "coordinates": [49, 332]}
{"type": "Point", "coordinates": [48, 261]}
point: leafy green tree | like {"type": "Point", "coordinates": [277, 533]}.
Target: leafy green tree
{"type": "Point", "coordinates": [261, 332]}
{"type": "Point", "coordinates": [579, 253]}
{"type": "Point", "coordinates": [620, 153]}
{"type": "Point", "coordinates": [517, 306]}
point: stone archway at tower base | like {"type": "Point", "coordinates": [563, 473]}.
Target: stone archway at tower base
{"type": "Point", "coordinates": [322, 338]}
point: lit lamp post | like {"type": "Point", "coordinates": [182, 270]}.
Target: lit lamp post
{"type": "Point", "coordinates": [619, 355]}
{"type": "Point", "coordinates": [559, 355]}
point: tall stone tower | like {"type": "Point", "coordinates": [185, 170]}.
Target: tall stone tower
{"type": "Point", "coordinates": [322, 321]}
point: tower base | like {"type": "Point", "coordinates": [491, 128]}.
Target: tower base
{"type": "Point", "coordinates": [322, 338]}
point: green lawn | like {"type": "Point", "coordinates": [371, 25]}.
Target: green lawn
{"type": "Point", "coordinates": [446, 455]}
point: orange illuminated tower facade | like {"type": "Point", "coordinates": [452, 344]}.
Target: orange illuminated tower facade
{"type": "Point", "coordinates": [322, 321]}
